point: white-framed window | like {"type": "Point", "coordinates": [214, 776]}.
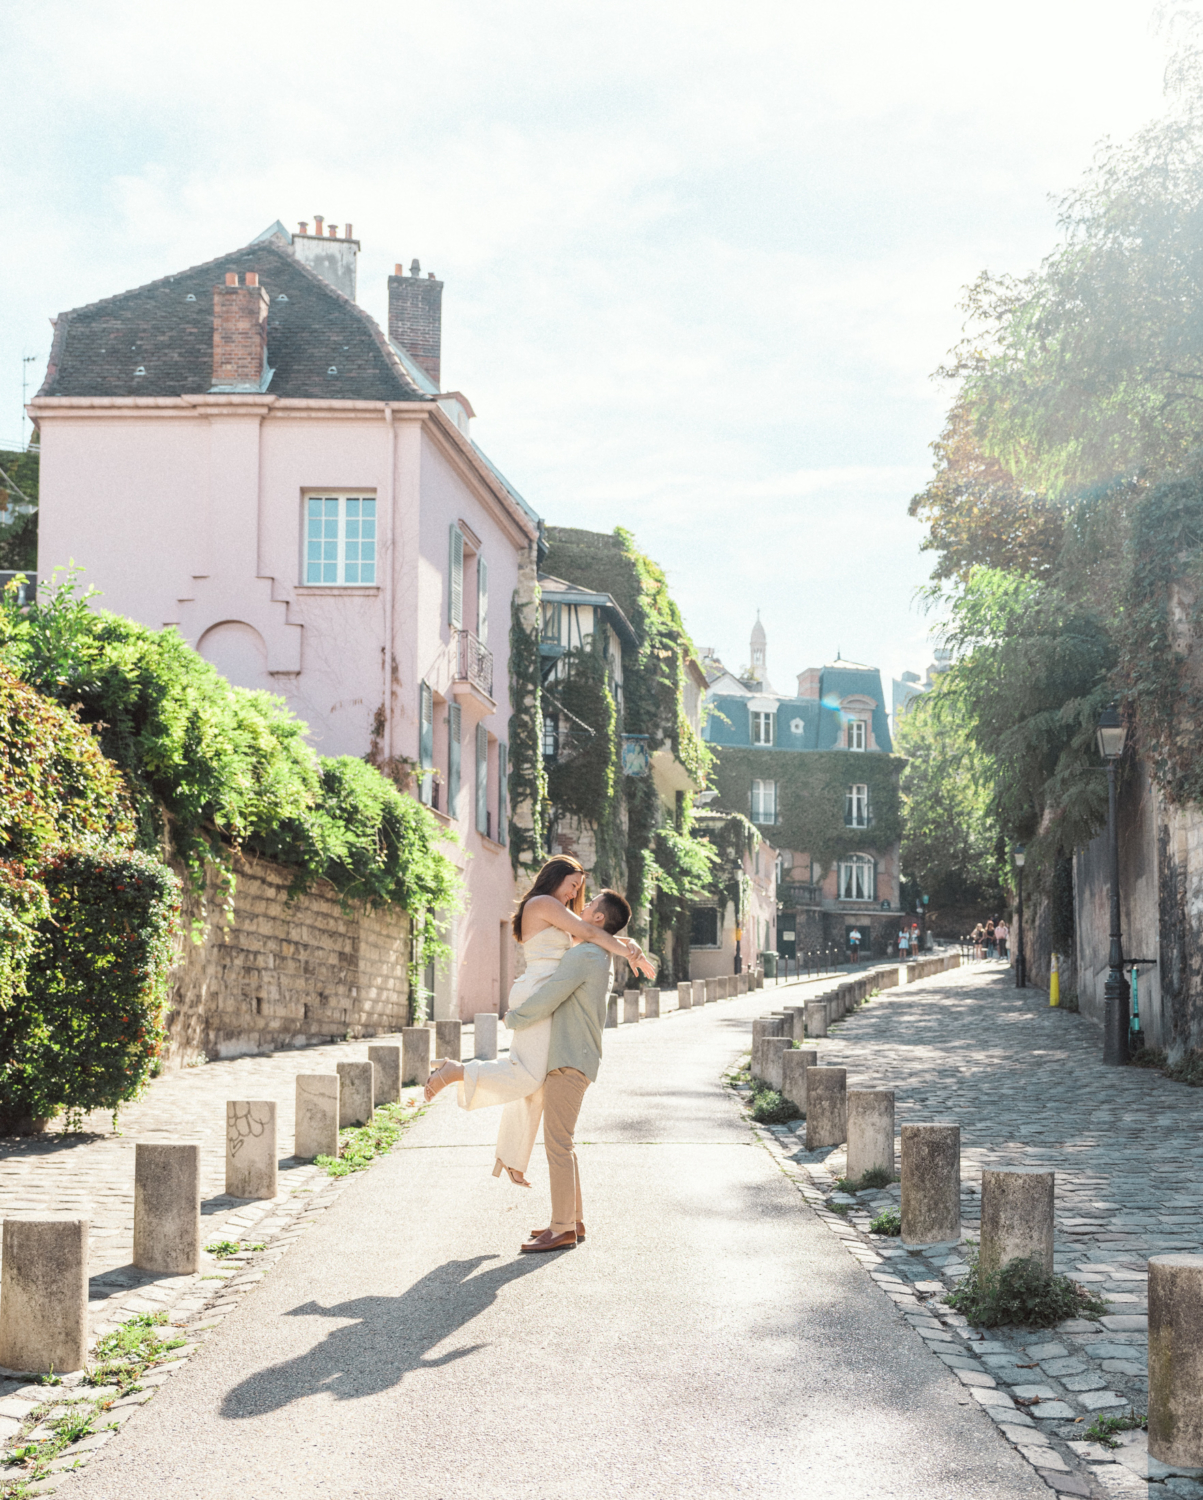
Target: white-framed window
{"type": "Point", "coordinates": [856, 806]}
{"type": "Point", "coordinates": [858, 734]}
{"type": "Point", "coordinates": [455, 579]}
{"type": "Point", "coordinates": [780, 872]}
{"type": "Point", "coordinates": [340, 539]}
{"type": "Point", "coordinates": [762, 727]}
{"type": "Point", "coordinates": [858, 878]}
{"type": "Point", "coordinates": [764, 801]}
{"type": "Point", "coordinates": [483, 824]}
{"type": "Point", "coordinates": [426, 743]}
{"type": "Point", "coordinates": [551, 736]}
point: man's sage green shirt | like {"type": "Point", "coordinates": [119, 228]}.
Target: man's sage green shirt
{"type": "Point", "coordinates": [575, 997]}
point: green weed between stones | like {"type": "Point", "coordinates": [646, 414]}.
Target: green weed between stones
{"type": "Point", "coordinates": [122, 1355]}
{"type": "Point", "coordinates": [771, 1108]}
{"type": "Point", "coordinates": [1022, 1293]}
{"type": "Point", "coordinates": [888, 1221]}
{"type": "Point", "coordinates": [1103, 1428]}
{"type": "Point", "coordinates": [224, 1247]}
{"type": "Point", "coordinates": [875, 1177]}
{"type": "Point", "coordinates": [360, 1145]}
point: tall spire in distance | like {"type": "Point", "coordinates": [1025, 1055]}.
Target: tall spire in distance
{"type": "Point", "coordinates": [759, 651]}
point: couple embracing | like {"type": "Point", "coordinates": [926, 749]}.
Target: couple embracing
{"type": "Point", "coordinates": [557, 1012]}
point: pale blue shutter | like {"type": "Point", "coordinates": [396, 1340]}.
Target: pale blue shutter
{"type": "Point", "coordinates": [482, 600]}
{"type": "Point", "coordinates": [482, 779]}
{"type": "Point", "coordinates": [503, 793]}
{"type": "Point", "coordinates": [454, 733]}
{"type": "Point", "coordinates": [425, 741]}
{"type": "Point", "coordinates": [455, 581]}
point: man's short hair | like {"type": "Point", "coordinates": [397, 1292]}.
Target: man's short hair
{"type": "Point", "coordinates": [616, 908]}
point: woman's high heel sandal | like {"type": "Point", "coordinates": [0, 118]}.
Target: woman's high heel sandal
{"type": "Point", "coordinates": [513, 1173]}
{"type": "Point", "coordinates": [437, 1081]}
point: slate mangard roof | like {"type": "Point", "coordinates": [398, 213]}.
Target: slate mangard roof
{"type": "Point", "coordinates": [312, 330]}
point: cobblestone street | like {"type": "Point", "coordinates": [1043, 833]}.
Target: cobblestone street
{"type": "Point", "coordinates": [1027, 1086]}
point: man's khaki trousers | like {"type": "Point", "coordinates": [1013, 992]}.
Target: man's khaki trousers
{"type": "Point", "coordinates": [563, 1091]}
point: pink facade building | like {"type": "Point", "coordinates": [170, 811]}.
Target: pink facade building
{"type": "Point", "coordinates": [241, 452]}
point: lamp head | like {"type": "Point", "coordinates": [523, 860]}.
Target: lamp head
{"type": "Point", "coordinates": [1112, 732]}
{"type": "Point", "coordinates": [1020, 856]}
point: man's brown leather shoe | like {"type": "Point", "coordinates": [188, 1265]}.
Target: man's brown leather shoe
{"type": "Point", "coordinates": [580, 1232]}
{"type": "Point", "coordinates": [548, 1241]}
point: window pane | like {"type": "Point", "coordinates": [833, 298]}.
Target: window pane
{"type": "Point", "coordinates": [367, 572]}
{"type": "Point", "coordinates": [331, 509]}
{"type": "Point", "coordinates": [351, 573]}
{"type": "Point", "coordinates": [353, 511]}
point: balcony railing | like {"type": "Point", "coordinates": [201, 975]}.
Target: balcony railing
{"type": "Point", "coordinates": [473, 662]}
{"type": "Point", "coordinates": [798, 893]}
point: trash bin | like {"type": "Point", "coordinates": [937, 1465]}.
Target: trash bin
{"type": "Point", "coordinates": [769, 959]}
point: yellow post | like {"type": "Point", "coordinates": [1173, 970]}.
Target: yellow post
{"type": "Point", "coordinates": [1054, 983]}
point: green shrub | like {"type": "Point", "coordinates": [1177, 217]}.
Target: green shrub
{"type": "Point", "coordinates": [875, 1177]}
{"type": "Point", "coordinates": [888, 1221]}
{"type": "Point", "coordinates": [1022, 1292]}
{"type": "Point", "coordinates": [771, 1108]}
{"type": "Point", "coordinates": [219, 767]}
{"type": "Point", "coordinates": [90, 1026]}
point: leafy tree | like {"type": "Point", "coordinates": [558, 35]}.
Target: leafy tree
{"type": "Point", "coordinates": [949, 838]}
{"type": "Point", "coordinates": [19, 538]}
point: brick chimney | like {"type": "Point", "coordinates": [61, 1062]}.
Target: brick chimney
{"type": "Point", "coordinates": [415, 318]}
{"type": "Point", "coordinates": [239, 334]}
{"type": "Point", "coordinates": [809, 682]}
{"type": "Point", "coordinates": [334, 257]}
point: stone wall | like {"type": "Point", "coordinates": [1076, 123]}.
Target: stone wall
{"type": "Point", "coordinates": [1161, 912]}
{"type": "Point", "coordinates": [284, 973]}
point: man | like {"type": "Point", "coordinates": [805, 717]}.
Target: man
{"type": "Point", "coordinates": [854, 944]}
{"type": "Point", "coordinates": [575, 998]}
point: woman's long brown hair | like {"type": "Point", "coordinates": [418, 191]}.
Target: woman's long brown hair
{"type": "Point", "coordinates": [549, 879]}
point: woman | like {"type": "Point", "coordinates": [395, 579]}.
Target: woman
{"type": "Point", "coordinates": [545, 922]}
{"type": "Point", "coordinates": [1001, 933]}
{"type": "Point", "coordinates": [977, 940]}
{"type": "Point", "coordinates": [989, 937]}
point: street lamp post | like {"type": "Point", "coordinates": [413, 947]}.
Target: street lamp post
{"type": "Point", "coordinates": [1021, 965]}
{"type": "Point", "coordinates": [1112, 734]}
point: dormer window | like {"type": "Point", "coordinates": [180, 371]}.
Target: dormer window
{"type": "Point", "coordinates": [858, 734]}
{"type": "Point", "coordinates": [762, 728]}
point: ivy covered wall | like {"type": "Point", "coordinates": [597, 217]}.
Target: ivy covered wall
{"type": "Point", "coordinates": [811, 790]}
{"type": "Point", "coordinates": [660, 862]}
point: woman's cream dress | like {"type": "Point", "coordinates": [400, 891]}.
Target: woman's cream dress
{"type": "Point", "coordinates": [517, 1081]}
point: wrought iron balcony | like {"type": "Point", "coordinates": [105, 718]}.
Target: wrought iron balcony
{"type": "Point", "coordinates": [798, 893]}
{"type": "Point", "coordinates": [473, 662]}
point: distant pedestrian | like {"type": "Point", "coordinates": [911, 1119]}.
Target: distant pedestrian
{"type": "Point", "coordinates": [977, 940]}
{"type": "Point", "coordinates": [990, 938]}
{"type": "Point", "coordinates": [854, 944]}
{"type": "Point", "coordinates": [904, 939]}
{"type": "Point", "coordinates": [1001, 934]}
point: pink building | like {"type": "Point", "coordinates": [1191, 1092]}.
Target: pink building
{"type": "Point", "coordinates": [240, 451]}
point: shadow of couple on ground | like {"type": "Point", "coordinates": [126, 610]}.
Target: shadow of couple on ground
{"type": "Point", "coordinates": [389, 1337]}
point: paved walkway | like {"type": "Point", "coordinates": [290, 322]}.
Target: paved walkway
{"type": "Point", "coordinates": [709, 1339]}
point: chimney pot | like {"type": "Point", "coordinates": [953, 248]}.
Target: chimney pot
{"type": "Point", "coordinates": [252, 278]}
{"type": "Point", "coordinates": [231, 278]}
{"type": "Point", "coordinates": [415, 318]}
{"type": "Point", "coordinates": [332, 231]}
{"type": "Point", "coordinates": [414, 268]}
{"type": "Point", "coordinates": [318, 221]}
{"type": "Point", "coordinates": [347, 232]}
{"type": "Point", "coordinates": [399, 269]}
{"type": "Point", "coordinates": [430, 276]}
{"type": "Point", "coordinates": [304, 226]}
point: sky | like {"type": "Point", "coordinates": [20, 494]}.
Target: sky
{"type": "Point", "coordinates": [701, 260]}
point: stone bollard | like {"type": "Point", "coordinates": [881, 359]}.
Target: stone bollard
{"type": "Point", "coordinates": [484, 1027]}
{"type": "Point", "coordinates": [684, 995]}
{"type": "Point", "coordinates": [870, 1131]}
{"type": "Point", "coordinates": [1175, 1358]}
{"type": "Point", "coordinates": [651, 1005]}
{"type": "Point", "coordinates": [795, 1022]}
{"type": "Point", "coordinates": [794, 1064]}
{"type": "Point", "coordinates": [44, 1295]}
{"type": "Point", "coordinates": [772, 1050]}
{"type": "Point", "coordinates": [1017, 1218]}
{"type": "Point", "coordinates": [630, 1007]}
{"type": "Point", "coordinates": [357, 1081]}
{"type": "Point", "coordinates": [826, 1107]}
{"type": "Point", "coordinates": [167, 1227]}
{"type": "Point", "coordinates": [385, 1057]}
{"type": "Point", "coordinates": [316, 1129]}
{"type": "Point", "coordinates": [931, 1184]}
{"type": "Point", "coordinates": [612, 1013]}
{"type": "Point", "coordinates": [448, 1040]}
{"type": "Point", "coordinates": [251, 1158]}
{"type": "Point", "coordinates": [710, 990]}
{"type": "Point", "coordinates": [699, 992]}
{"type": "Point", "coordinates": [764, 1027]}
{"type": "Point", "coordinates": [816, 1018]}
{"type": "Point", "coordinates": [742, 984]}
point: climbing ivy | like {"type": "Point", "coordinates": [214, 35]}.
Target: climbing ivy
{"type": "Point", "coordinates": [584, 781]}
{"type": "Point", "coordinates": [528, 779]}
{"type": "Point", "coordinates": [811, 790]}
